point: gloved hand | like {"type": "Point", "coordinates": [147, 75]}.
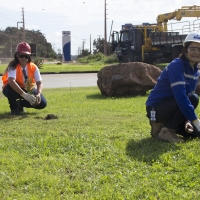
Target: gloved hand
{"type": "Point", "coordinates": [188, 127]}
{"type": "Point", "coordinates": [196, 123]}
{"type": "Point", "coordinates": [38, 97]}
{"type": "Point", "coordinates": [28, 97]}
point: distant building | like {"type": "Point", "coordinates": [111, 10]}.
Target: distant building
{"type": "Point", "coordinates": [66, 46]}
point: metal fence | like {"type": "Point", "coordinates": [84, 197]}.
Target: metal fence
{"type": "Point", "coordinates": [5, 60]}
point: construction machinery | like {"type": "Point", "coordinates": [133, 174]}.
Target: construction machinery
{"type": "Point", "coordinates": [152, 43]}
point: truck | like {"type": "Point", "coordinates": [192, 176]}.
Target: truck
{"type": "Point", "coordinates": [153, 43]}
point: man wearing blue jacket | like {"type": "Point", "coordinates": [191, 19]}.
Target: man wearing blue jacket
{"type": "Point", "coordinates": [171, 104]}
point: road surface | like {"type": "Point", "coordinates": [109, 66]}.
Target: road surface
{"type": "Point", "coordinates": [67, 80]}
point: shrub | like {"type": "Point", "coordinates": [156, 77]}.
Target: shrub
{"type": "Point", "coordinates": [83, 60]}
{"type": "Point", "coordinates": [111, 59]}
{"type": "Point", "coordinates": [98, 57]}
{"type": "Point", "coordinates": [38, 61]}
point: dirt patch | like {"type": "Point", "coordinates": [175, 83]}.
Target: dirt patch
{"type": "Point", "coordinates": [51, 116]}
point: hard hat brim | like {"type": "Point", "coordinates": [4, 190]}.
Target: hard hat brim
{"type": "Point", "coordinates": [190, 41]}
{"type": "Point", "coordinates": [25, 52]}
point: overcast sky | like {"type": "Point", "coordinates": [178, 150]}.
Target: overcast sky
{"type": "Point", "coordinates": [83, 17]}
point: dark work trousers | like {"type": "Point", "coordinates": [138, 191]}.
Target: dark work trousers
{"type": "Point", "coordinates": [168, 113]}
{"type": "Point", "coordinates": [119, 59]}
{"type": "Point", "coordinates": [13, 96]}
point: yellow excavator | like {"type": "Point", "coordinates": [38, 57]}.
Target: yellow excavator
{"type": "Point", "coordinates": [152, 43]}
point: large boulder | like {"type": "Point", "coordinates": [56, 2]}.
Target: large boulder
{"type": "Point", "coordinates": [134, 78]}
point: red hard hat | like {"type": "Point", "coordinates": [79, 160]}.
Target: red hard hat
{"type": "Point", "coordinates": [23, 47]}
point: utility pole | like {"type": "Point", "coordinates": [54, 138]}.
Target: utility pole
{"type": "Point", "coordinates": [90, 43]}
{"type": "Point", "coordinates": [18, 31]}
{"type": "Point", "coordinates": [83, 47]}
{"type": "Point", "coordinates": [105, 35]}
{"type": "Point", "coordinates": [79, 51]}
{"type": "Point", "coordinates": [83, 44]}
{"type": "Point", "coordinates": [23, 33]}
{"type": "Point", "coordinates": [11, 47]}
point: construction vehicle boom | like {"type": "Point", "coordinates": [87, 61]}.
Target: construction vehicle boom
{"type": "Point", "coordinates": [185, 11]}
{"type": "Point", "coordinates": [152, 43]}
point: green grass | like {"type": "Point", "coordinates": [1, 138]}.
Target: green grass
{"type": "Point", "coordinates": [54, 68]}
{"type": "Point", "coordinates": [71, 68]}
{"type": "Point", "coordinates": [161, 65]}
{"type": "Point", "coordinates": [98, 148]}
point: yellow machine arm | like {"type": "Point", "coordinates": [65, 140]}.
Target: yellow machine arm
{"type": "Point", "coordinates": [185, 11]}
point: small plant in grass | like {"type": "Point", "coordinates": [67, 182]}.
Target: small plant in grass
{"type": "Point", "coordinates": [29, 86]}
{"type": "Point", "coordinates": [38, 62]}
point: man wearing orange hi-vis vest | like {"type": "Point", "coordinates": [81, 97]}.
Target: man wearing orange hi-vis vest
{"type": "Point", "coordinates": [19, 81]}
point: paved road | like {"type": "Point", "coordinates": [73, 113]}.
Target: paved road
{"type": "Point", "coordinates": [67, 80]}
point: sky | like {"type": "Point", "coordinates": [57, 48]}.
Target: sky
{"type": "Point", "coordinates": [84, 18]}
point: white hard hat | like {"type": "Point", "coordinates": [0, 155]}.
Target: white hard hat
{"type": "Point", "coordinates": [192, 37]}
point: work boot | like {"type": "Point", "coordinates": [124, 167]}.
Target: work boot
{"type": "Point", "coordinates": [169, 135]}
{"type": "Point", "coordinates": [155, 128]}
{"type": "Point", "coordinates": [15, 112]}
{"type": "Point", "coordinates": [20, 108]}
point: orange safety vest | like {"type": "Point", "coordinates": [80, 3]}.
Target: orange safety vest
{"type": "Point", "coordinates": [31, 67]}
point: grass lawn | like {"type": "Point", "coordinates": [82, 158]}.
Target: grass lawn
{"type": "Point", "coordinates": [98, 148]}
{"type": "Point", "coordinates": [54, 68]}
{"type": "Point", "coordinates": [71, 68]}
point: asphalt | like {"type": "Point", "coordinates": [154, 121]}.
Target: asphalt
{"type": "Point", "coordinates": [60, 80]}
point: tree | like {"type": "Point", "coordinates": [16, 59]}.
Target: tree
{"type": "Point", "coordinates": [85, 52]}
{"type": "Point", "coordinates": [9, 40]}
{"type": "Point", "coordinates": [59, 53]}
{"type": "Point", "coordinates": [98, 46]}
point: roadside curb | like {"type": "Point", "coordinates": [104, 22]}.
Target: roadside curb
{"type": "Point", "coordinates": [78, 72]}
{"type": "Point", "coordinates": [81, 72]}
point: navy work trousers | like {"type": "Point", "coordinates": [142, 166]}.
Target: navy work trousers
{"type": "Point", "coordinates": [168, 113]}
{"type": "Point", "coordinates": [13, 96]}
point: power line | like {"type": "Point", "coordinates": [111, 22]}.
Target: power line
{"type": "Point", "coordinates": [99, 36]}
